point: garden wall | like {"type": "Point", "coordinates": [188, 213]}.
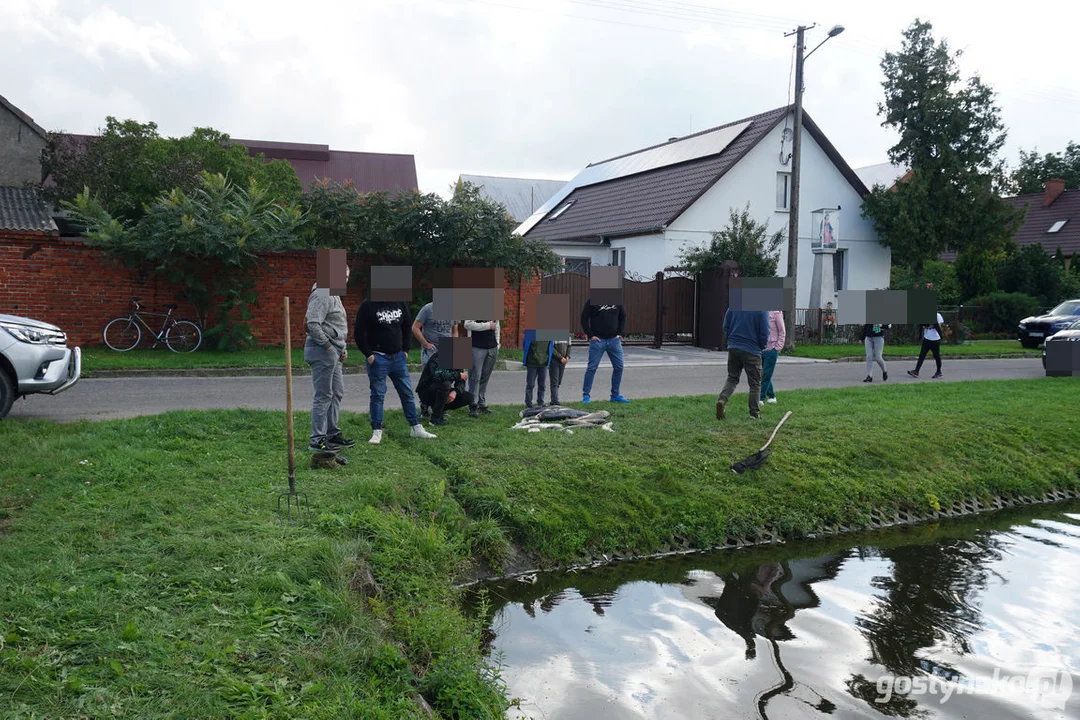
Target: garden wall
{"type": "Point", "coordinates": [79, 288]}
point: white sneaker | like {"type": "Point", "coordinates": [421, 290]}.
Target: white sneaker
{"type": "Point", "coordinates": [771, 401]}
{"type": "Point", "coordinates": [418, 431]}
{"type": "Point", "coordinates": [376, 437]}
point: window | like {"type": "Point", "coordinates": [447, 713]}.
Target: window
{"type": "Point", "coordinates": [783, 191]}
{"type": "Point", "coordinates": [577, 265]}
{"type": "Point", "coordinates": [1057, 226]}
{"type": "Point", "coordinates": [618, 257]}
{"type": "Point", "coordinates": [838, 269]}
{"type": "Point", "coordinates": [561, 210]}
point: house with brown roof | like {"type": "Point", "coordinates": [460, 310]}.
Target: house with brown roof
{"type": "Point", "coordinates": [1052, 219]}
{"type": "Point", "coordinates": [642, 209]}
{"type": "Point", "coordinates": [369, 172]}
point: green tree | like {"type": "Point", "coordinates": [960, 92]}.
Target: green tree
{"type": "Point", "coordinates": [129, 165]}
{"type": "Point", "coordinates": [1034, 169]}
{"type": "Point", "coordinates": [422, 230]}
{"type": "Point", "coordinates": [744, 240]}
{"type": "Point", "coordinates": [1032, 271]}
{"type": "Point", "coordinates": [950, 136]}
{"type": "Point", "coordinates": [938, 275]}
{"type": "Point", "coordinates": [208, 241]}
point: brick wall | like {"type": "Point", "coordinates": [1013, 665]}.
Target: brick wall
{"type": "Point", "coordinates": [80, 288]}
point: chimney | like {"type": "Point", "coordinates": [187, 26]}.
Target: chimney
{"type": "Point", "coordinates": [1052, 190]}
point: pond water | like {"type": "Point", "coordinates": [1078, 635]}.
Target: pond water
{"type": "Point", "coordinates": [975, 618]}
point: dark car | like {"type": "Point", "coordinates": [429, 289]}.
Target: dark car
{"type": "Point", "coordinates": [1033, 331]}
{"type": "Point", "coordinates": [1069, 334]}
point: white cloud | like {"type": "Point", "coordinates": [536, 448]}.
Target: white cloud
{"type": "Point", "coordinates": [106, 31]}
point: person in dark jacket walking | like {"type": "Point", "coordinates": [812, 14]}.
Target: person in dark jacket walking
{"type": "Point", "coordinates": [382, 332]}
{"type": "Point", "coordinates": [604, 325]}
{"type": "Point", "coordinates": [442, 389]}
{"type": "Point", "coordinates": [874, 340]}
{"type": "Point", "coordinates": [747, 333]}
{"type": "Point", "coordinates": [536, 357]}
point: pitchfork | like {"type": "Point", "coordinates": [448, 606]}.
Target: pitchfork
{"type": "Point", "coordinates": [294, 501]}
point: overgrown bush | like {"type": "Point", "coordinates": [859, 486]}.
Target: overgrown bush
{"type": "Point", "coordinates": [1001, 312]}
{"type": "Point", "coordinates": [1033, 271]}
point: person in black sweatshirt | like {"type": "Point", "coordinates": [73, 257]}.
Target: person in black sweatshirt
{"type": "Point", "coordinates": [442, 389]}
{"type": "Point", "coordinates": [382, 333]}
{"type": "Point", "coordinates": [604, 326]}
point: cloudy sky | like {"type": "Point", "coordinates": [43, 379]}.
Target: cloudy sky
{"type": "Point", "coordinates": [530, 88]}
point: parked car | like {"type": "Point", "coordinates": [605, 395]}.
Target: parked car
{"type": "Point", "coordinates": [1033, 331]}
{"type": "Point", "coordinates": [1069, 334]}
{"type": "Point", "coordinates": [34, 358]}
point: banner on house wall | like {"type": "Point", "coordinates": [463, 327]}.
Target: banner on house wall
{"type": "Point", "coordinates": [826, 229]}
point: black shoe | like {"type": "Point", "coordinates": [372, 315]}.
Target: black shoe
{"type": "Point", "coordinates": [474, 413]}
{"type": "Point", "coordinates": [340, 441]}
{"type": "Point", "coordinates": [936, 375]}
{"type": "Point", "coordinates": [912, 373]}
{"type": "Point", "coordinates": [484, 410]}
{"type": "Point", "coordinates": [321, 445]}
{"type": "Point", "coordinates": [438, 421]}
{"type": "Point", "coordinates": [425, 412]}
{"type": "Point", "coordinates": [884, 376]}
{"type": "Point", "coordinates": [869, 379]}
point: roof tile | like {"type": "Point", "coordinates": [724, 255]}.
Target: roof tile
{"type": "Point", "coordinates": [22, 209]}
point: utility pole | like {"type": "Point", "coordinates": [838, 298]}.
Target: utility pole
{"type": "Point", "coordinates": [793, 210]}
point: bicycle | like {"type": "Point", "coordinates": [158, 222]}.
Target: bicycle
{"type": "Point", "coordinates": [123, 333]}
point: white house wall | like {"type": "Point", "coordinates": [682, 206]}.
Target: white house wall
{"type": "Point", "coordinates": [753, 180]}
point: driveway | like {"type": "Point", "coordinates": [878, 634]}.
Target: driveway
{"type": "Point", "coordinates": [104, 399]}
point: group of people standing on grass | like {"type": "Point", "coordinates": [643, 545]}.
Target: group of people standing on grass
{"type": "Point", "coordinates": [383, 332]}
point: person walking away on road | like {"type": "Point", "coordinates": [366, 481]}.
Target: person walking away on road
{"type": "Point", "coordinates": [560, 355]}
{"type": "Point", "coordinates": [485, 352]}
{"type": "Point", "coordinates": [325, 351]}
{"type": "Point", "coordinates": [874, 340]}
{"type": "Point", "coordinates": [382, 333]}
{"type": "Point", "coordinates": [931, 343]}
{"type": "Point", "coordinates": [427, 331]}
{"type": "Point", "coordinates": [536, 357]}
{"type": "Point", "coordinates": [747, 333]}
{"type": "Point", "coordinates": [442, 389]}
{"type": "Point", "coordinates": [777, 335]}
{"type": "Point", "coordinates": [604, 325]}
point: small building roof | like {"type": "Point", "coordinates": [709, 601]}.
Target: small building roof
{"type": "Point", "coordinates": [520, 196]}
{"type": "Point", "coordinates": [369, 172]}
{"type": "Point", "coordinates": [644, 191]}
{"type": "Point", "coordinates": [1053, 226]}
{"type": "Point", "coordinates": [885, 174]}
{"type": "Point", "coordinates": [22, 209]}
{"type": "Point", "coordinates": [4, 102]}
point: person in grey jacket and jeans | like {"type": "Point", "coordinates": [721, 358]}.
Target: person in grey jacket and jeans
{"type": "Point", "coordinates": [325, 351]}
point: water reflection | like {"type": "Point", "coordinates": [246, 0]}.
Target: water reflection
{"type": "Point", "coordinates": [804, 630]}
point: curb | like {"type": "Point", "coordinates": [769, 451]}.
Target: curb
{"type": "Point", "coordinates": [944, 357]}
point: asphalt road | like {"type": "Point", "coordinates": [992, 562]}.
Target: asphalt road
{"type": "Point", "coordinates": [105, 399]}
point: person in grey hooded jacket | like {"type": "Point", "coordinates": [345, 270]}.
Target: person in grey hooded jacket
{"type": "Point", "coordinates": [325, 351]}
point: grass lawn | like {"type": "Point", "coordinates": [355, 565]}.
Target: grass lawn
{"type": "Point", "coordinates": [983, 348]}
{"type": "Point", "coordinates": [145, 575]}
{"type": "Point", "coordinates": [102, 358]}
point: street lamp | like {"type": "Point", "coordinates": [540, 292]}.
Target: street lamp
{"type": "Point", "coordinates": [796, 148]}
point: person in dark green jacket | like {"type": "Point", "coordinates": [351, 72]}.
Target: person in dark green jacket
{"type": "Point", "coordinates": [536, 356]}
{"type": "Point", "coordinates": [442, 389]}
{"type": "Point", "coordinates": [560, 355]}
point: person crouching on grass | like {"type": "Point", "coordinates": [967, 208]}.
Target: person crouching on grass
{"type": "Point", "coordinates": [440, 388]}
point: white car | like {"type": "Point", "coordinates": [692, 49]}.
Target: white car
{"type": "Point", "coordinates": [34, 358]}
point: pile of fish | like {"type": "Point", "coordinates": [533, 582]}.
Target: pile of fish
{"type": "Point", "coordinates": [555, 417]}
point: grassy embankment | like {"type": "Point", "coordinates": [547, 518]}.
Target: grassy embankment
{"type": "Point", "coordinates": [145, 575]}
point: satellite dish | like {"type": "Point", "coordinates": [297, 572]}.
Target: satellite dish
{"type": "Point", "coordinates": [788, 134]}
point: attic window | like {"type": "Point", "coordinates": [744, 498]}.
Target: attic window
{"type": "Point", "coordinates": [1057, 226]}
{"type": "Point", "coordinates": [561, 210]}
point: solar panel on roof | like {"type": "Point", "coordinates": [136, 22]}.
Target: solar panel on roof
{"type": "Point", "coordinates": [691, 148]}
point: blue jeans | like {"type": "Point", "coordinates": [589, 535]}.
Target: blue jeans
{"type": "Point", "coordinates": [768, 364]}
{"type": "Point", "coordinates": [398, 370]}
{"type": "Point", "coordinates": [597, 349]}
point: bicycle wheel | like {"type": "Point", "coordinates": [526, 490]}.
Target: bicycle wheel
{"type": "Point", "coordinates": [122, 334]}
{"type": "Point", "coordinates": [183, 336]}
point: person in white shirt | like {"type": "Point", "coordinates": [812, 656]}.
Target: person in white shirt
{"type": "Point", "coordinates": [931, 342]}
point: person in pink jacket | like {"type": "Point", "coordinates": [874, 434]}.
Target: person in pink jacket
{"type": "Point", "coordinates": [771, 352]}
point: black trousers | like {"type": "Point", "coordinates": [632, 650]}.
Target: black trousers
{"type": "Point", "coordinates": [435, 398]}
{"type": "Point", "coordinates": [933, 346]}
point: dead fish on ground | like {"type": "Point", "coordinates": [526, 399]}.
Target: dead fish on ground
{"type": "Point", "coordinates": [557, 412]}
